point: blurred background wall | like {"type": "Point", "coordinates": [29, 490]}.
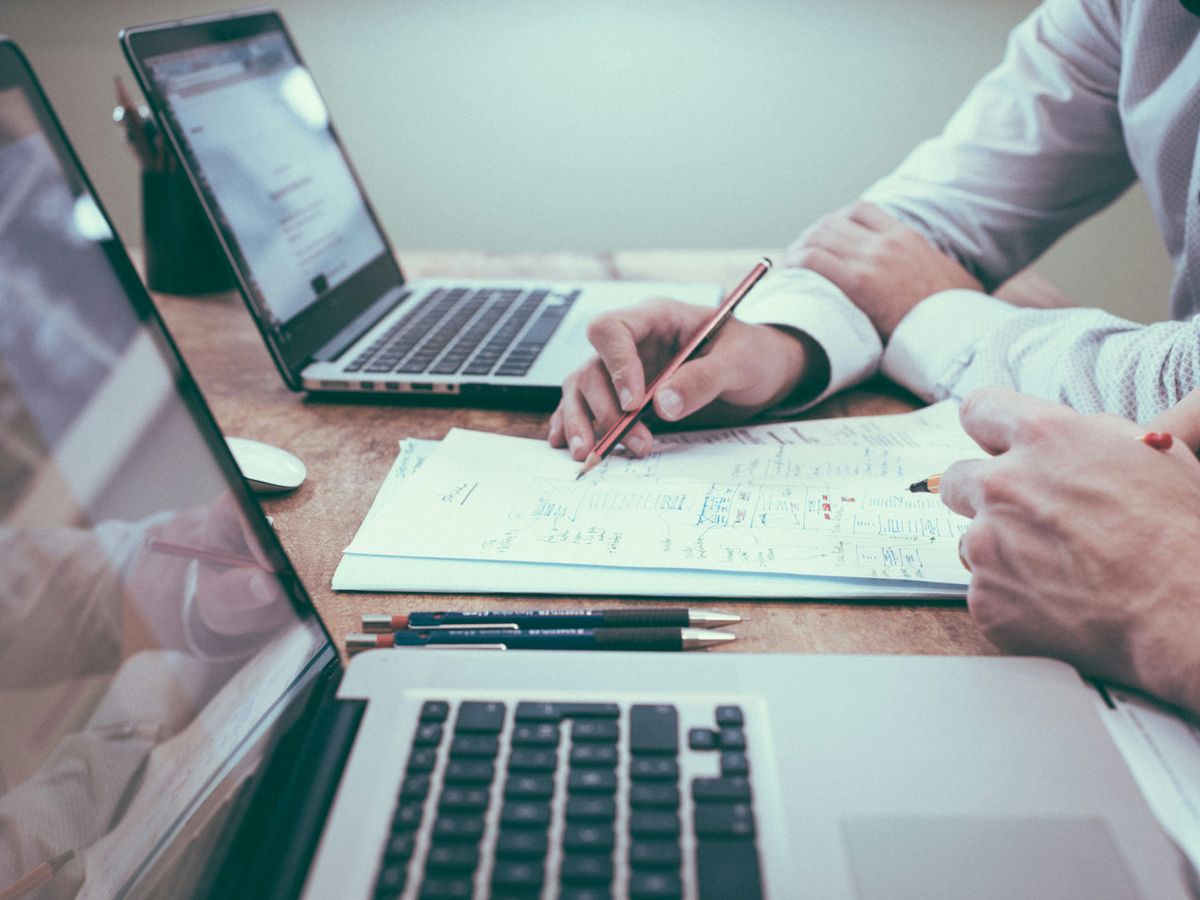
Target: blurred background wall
{"type": "Point", "coordinates": [541, 125]}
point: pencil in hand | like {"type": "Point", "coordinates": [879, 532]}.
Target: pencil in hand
{"type": "Point", "coordinates": [930, 485]}
{"type": "Point", "coordinates": [709, 330]}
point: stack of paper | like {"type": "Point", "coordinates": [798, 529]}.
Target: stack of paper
{"type": "Point", "coordinates": [816, 509]}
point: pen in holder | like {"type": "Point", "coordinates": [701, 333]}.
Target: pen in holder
{"type": "Point", "coordinates": [183, 255]}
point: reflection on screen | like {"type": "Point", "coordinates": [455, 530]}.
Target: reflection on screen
{"type": "Point", "coordinates": [253, 121]}
{"type": "Point", "coordinates": [132, 668]}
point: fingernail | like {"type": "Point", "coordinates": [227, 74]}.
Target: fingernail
{"type": "Point", "coordinates": [636, 444]}
{"type": "Point", "coordinates": [670, 404]}
{"type": "Point", "coordinates": [625, 395]}
{"type": "Point", "coordinates": [576, 442]}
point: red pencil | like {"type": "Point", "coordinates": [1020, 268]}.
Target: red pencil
{"type": "Point", "coordinates": [36, 877]}
{"type": "Point", "coordinates": [212, 556]}
{"type": "Point", "coordinates": [690, 349]}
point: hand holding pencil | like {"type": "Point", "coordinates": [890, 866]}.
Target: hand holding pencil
{"type": "Point", "coordinates": [743, 369]}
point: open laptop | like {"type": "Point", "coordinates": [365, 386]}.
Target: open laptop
{"type": "Point", "coordinates": [244, 115]}
{"type": "Point", "coordinates": [176, 722]}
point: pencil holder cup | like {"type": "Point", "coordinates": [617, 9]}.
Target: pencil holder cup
{"type": "Point", "coordinates": [183, 255]}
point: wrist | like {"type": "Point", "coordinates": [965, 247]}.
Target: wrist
{"type": "Point", "coordinates": [806, 367]}
{"type": "Point", "coordinates": [1165, 661]}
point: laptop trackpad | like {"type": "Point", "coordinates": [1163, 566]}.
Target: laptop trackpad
{"type": "Point", "coordinates": [984, 858]}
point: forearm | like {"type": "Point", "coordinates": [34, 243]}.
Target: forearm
{"type": "Point", "coordinates": [802, 301]}
{"type": "Point", "coordinates": [1088, 359]}
{"type": "Point", "coordinates": [1036, 148]}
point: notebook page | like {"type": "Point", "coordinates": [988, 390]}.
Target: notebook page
{"type": "Point", "coordinates": [800, 509]}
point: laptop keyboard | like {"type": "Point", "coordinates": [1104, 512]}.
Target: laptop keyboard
{"type": "Point", "coordinates": [571, 800]}
{"type": "Point", "coordinates": [472, 331]}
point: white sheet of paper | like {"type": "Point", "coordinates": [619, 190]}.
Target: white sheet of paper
{"type": "Point", "coordinates": [1163, 753]}
{"type": "Point", "coordinates": [805, 508]}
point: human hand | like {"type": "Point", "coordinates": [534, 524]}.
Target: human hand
{"type": "Point", "coordinates": [1082, 544]}
{"type": "Point", "coordinates": [884, 267]}
{"type": "Point", "coordinates": [744, 369]}
{"type": "Point", "coordinates": [228, 602]}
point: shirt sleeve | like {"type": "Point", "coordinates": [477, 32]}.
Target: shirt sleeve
{"type": "Point", "coordinates": [1093, 361]}
{"type": "Point", "coordinates": [808, 302]}
{"type": "Point", "coordinates": [1036, 148]}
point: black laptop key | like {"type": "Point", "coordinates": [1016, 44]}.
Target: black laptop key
{"type": "Point", "coordinates": [591, 809]}
{"type": "Point", "coordinates": [529, 787]}
{"type": "Point", "coordinates": [414, 787]}
{"type": "Point", "coordinates": [653, 823]}
{"type": "Point", "coordinates": [422, 760]}
{"type": "Point", "coordinates": [520, 843]}
{"type": "Point", "coordinates": [727, 868]}
{"type": "Point", "coordinates": [539, 734]}
{"type": "Point", "coordinates": [391, 880]}
{"type": "Point", "coordinates": [479, 746]}
{"type": "Point", "coordinates": [525, 814]}
{"type": "Point", "coordinates": [720, 789]}
{"type": "Point", "coordinates": [734, 762]}
{"type": "Point", "coordinates": [453, 886]}
{"type": "Point", "coordinates": [724, 819]}
{"type": "Point", "coordinates": [479, 367]}
{"type": "Point", "coordinates": [585, 892]}
{"type": "Point", "coordinates": [484, 718]}
{"type": "Point", "coordinates": [592, 781]}
{"type": "Point", "coordinates": [600, 731]}
{"type": "Point", "coordinates": [553, 712]}
{"type": "Point", "coordinates": [586, 868]}
{"type": "Point", "coordinates": [462, 799]}
{"type": "Point", "coordinates": [454, 827]}
{"type": "Point", "coordinates": [469, 771]}
{"type": "Point", "coordinates": [407, 817]}
{"type": "Point", "coordinates": [652, 884]}
{"type": "Point", "coordinates": [428, 735]}
{"type": "Point", "coordinates": [599, 755]}
{"type": "Point", "coordinates": [702, 739]}
{"type": "Point", "coordinates": [654, 795]}
{"type": "Point", "coordinates": [461, 858]}
{"type": "Point", "coordinates": [528, 759]}
{"type": "Point", "coordinates": [399, 847]}
{"type": "Point", "coordinates": [654, 768]}
{"type": "Point", "coordinates": [653, 729]}
{"type": "Point", "coordinates": [517, 875]}
{"type": "Point", "coordinates": [589, 838]}
{"type": "Point", "coordinates": [730, 717]}
{"type": "Point", "coordinates": [434, 711]}
{"type": "Point", "coordinates": [732, 739]}
{"type": "Point", "coordinates": [651, 854]}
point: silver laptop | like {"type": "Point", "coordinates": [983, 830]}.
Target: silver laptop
{"type": "Point", "coordinates": [177, 723]}
{"type": "Point", "coordinates": [244, 115]}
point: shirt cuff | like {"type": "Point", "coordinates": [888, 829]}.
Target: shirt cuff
{"type": "Point", "coordinates": [808, 302]}
{"type": "Point", "coordinates": [936, 341]}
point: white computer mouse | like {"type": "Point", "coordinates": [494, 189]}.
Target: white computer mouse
{"type": "Point", "coordinates": [268, 469]}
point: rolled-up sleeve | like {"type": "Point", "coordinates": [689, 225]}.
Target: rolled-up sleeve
{"type": "Point", "coordinates": [1036, 148]}
{"type": "Point", "coordinates": [1091, 360]}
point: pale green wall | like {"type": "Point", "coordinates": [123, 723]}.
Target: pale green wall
{"type": "Point", "coordinates": [532, 124]}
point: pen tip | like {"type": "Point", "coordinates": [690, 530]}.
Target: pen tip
{"type": "Point", "coordinates": [918, 487]}
{"type": "Point", "coordinates": [590, 463]}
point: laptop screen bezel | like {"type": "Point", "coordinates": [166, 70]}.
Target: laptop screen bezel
{"type": "Point", "coordinates": [292, 344]}
{"type": "Point", "coordinates": [15, 72]}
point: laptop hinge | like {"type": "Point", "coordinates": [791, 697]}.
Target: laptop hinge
{"type": "Point", "coordinates": [273, 846]}
{"type": "Point", "coordinates": [360, 325]}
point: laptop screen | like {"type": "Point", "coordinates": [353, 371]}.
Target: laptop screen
{"type": "Point", "coordinates": [146, 641]}
{"type": "Point", "coordinates": [256, 136]}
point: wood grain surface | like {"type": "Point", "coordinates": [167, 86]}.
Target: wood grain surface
{"type": "Point", "coordinates": [349, 447]}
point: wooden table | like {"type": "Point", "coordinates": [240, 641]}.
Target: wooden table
{"type": "Point", "coordinates": [349, 447]}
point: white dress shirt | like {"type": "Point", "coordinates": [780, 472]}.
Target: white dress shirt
{"type": "Point", "coordinates": [1091, 95]}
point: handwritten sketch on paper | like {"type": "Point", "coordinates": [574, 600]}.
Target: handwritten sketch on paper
{"type": "Point", "coordinates": [803, 508]}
